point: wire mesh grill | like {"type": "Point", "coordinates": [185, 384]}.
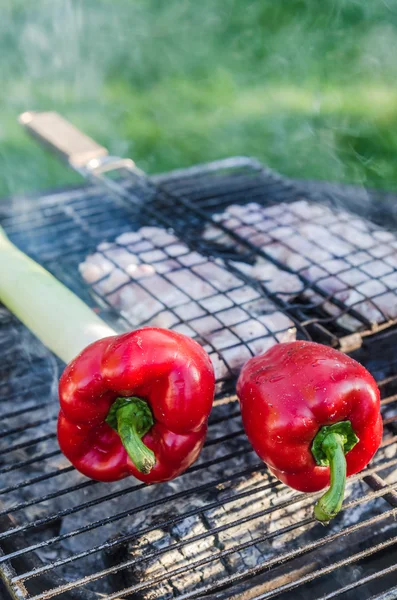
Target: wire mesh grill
{"type": "Point", "coordinates": [154, 279]}
{"type": "Point", "coordinates": [357, 264]}
{"type": "Point", "coordinates": [226, 527]}
{"type": "Point", "coordinates": [343, 266]}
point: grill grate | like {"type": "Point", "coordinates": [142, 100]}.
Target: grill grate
{"type": "Point", "coordinates": [367, 255]}
{"type": "Point", "coordinates": [226, 527]}
{"type": "Point", "coordinates": [356, 292]}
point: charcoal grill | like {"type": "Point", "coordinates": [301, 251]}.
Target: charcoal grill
{"type": "Point", "coordinates": [226, 528]}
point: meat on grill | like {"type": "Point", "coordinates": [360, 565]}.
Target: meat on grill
{"type": "Point", "coordinates": [152, 278]}
{"type": "Point", "coordinates": [348, 258]}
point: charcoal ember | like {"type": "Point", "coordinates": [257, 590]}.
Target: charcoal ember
{"type": "Point", "coordinates": [279, 573]}
{"type": "Point", "coordinates": [158, 556]}
{"type": "Point", "coordinates": [179, 559]}
{"type": "Point", "coordinates": [137, 501]}
{"type": "Point", "coordinates": [126, 577]}
{"type": "Point", "coordinates": [270, 551]}
{"type": "Point", "coordinates": [152, 556]}
{"type": "Point", "coordinates": [269, 519]}
{"type": "Point", "coordinates": [185, 528]}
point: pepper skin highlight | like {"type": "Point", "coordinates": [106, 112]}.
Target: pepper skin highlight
{"type": "Point", "coordinates": [136, 404]}
{"type": "Point", "coordinates": [312, 414]}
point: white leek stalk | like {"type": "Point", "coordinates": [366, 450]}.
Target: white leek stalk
{"type": "Point", "coordinates": [49, 309]}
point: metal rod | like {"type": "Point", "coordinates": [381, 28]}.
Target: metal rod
{"type": "Point", "coordinates": [110, 519]}
{"type": "Point", "coordinates": [213, 531]}
{"type": "Point", "coordinates": [388, 595]}
{"type": "Point", "coordinates": [38, 479]}
{"type": "Point", "coordinates": [29, 461]}
{"type": "Point", "coordinates": [28, 443]}
{"type": "Point", "coordinates": [171, 521]}
{"type": "Point", "coordinates": [249, 572]}
{"type": "Point", "coordinates": [7, 572]}
{"type": "Point", "coordinates": [326, 570]}
{"type": "Point", "coordinates": [278, 506]}
{"type": "Point", "coordinates": [240, 182]}
{"type": "Point", "coordinates": [22, 411]}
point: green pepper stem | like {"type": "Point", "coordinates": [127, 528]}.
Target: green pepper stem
{"type": "Point", "coordinates": [329, 448]}
{"type": "Point", "coordinates": [132, 419]}
{"type": "Point", "coordinates": [331, 502]}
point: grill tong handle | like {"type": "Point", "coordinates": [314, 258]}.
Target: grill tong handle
{"type": "Point", "coordinates": [80, 151]}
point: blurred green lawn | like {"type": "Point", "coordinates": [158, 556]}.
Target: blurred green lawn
{"type": "Point", "coordinates": [308, 87]}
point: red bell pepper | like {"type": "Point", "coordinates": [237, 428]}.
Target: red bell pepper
{"type": "Point", "coordinates": [312, 414]}
{"type": "Point", "coordinates": [136, 404]}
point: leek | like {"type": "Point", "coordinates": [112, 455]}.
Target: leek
{"type": "Point", "coordinates": [49, 309]}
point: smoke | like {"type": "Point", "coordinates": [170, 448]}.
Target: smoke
{"type": "Point", "coordinates": [303, 88]}
{"type": "Point", "coordinates": [310, 91]}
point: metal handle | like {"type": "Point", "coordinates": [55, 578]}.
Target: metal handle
{"type": "Point", "coordinates": [60, 135]}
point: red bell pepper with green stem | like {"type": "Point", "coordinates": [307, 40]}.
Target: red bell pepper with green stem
{"type": "Point", "coordinates": [132, 404]}
{"type": "Point", "coordinates": [136, 404]}
{"type": "Point", "coordinates": [312, 414]}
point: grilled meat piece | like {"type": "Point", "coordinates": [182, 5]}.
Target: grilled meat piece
{"type": "Point", "coordinates": [152, 278]}
{"type": "Point", "coordinates": [349, 258]}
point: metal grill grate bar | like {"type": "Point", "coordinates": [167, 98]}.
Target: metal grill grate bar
{"type": "Point", "coordinates": [178, 545]}
{"type": "Point", "coordinates": [19, 464]}
{"type": "Point", "coordinates": [193, 512]}
{"type": "Point", "coordinates": [331, 568]}
{"type": "Point", "coordinates": [202, 509]}
{"type": "Point", "coordinates": [28, 443]}
{"type": "Point", "coordinates": [249, 572]}
{"type": "Point", "coordinates": [387, 595]}
{"type": "Point", "coordinates": [50, 436]}
{"type": "Point", "coordinates": [363, 581]}
{"type": "Point", "coordinates": [255, 250]}
{"type": "Point", "coordinates": [37, 479]}
{"type": "Point", "coordinates": [388, 400]}
{"type": "Point", "coordinates": [29, 461]}
{"type": "Point", "coordinates": [23, 428]}
{"type": "Point", "coordinates": [113, 518]}
{"type": "Point", "coordinates": [23, 411]}
{"type": "Point", "coordinates": [79, 226]}
{"type": "Point", "coordinates": [57, 494]}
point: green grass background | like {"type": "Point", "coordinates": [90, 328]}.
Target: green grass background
{"type": "Point", "coordinates": [308, 87]}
